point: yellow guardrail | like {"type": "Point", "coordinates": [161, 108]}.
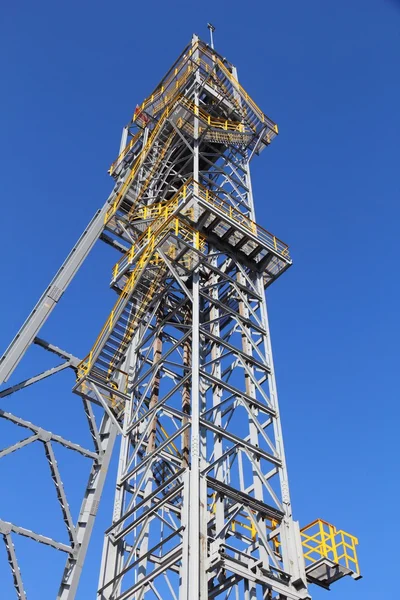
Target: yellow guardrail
{"type": "Point", "coordinates": [320, 539]}
{"type": "Point", "coordinates": [166, 437]}
{"type": "Point", "coordinates": [188, 66]}
{"type": "Point", "coordinates": [234, 214]}
{"type": "Point", "coordinates": [167, 221]}
{"type": "Point", "coordinates": [211, 198]}
{"type": "Point", "coordinates": [87, 362]}
{"type": "Point", "coordinates": [166, 102]}
{"type": "Point", "coordinates": [246, 522]}
{"type": "Point", "coordinates": [153, 234]}
{"type": "Point", "coordinates": [163, 214]}
{"type": "Point", "coordinates": [173, 80]}
{"type": "Point", "coordinates": [141, 309]}
{"type": "Point", "coordinates": [167, 143]}
{"type": "Point", "coordinates": [210, 71]}
{"type": "Point", "coordinates": [125, 152]}
{"type": "Point", "coordinates": [149, 212]}
{"type": "Point", "coordinates": [256, 109]}
{"type": "Point", "coordinates": [138, 163]}
{"type": "Point", "coordinates": [224, 124]}
{"type": "Point", "coordinates": [174, 224]}
{"type": "Point", "coordinates": [168, 97]}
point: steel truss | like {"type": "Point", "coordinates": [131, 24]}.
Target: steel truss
{"type": "Point", "coordinates": [183, 366]}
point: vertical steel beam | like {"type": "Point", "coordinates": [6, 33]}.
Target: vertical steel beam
{"type": "Point", "coordinates": [194, 551]}
{"type": "Point", "coordinates": [112, 555]}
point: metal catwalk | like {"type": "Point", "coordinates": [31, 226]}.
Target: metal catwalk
{"type": "Point", "coordinates": [182, 370]}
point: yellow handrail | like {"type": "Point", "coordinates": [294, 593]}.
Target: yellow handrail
{"type": "Point", "coordinates": [154, 168]}
{"type": "Point", "coordinates": [211, 121]}
{"type": "Point", "coordinates": [125, 151]}
{"type": "Point", "coordinates": [163, 214]}
{"type": "Point", "coordinates": [172, 223]}
{"type": "Point", "coordinates": [256, 109]}
{"type": "Point", "coordinates": [139, 312]}
{"type": "Point", "coordinates": [165, 84]}
{"type": "Point", "coordinates": [320, 539]}
{"type": "Point", "coordinates": [192, 65]}
{"type": "Point", "coordinates": [139, 161]}
{"type": "Point", "coordinates": [213, 199]}
{"type": "Point", "coordinates": [236, 215]}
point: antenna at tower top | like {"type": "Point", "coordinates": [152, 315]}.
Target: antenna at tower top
{"type": "Point", "coordinates": [211, 28]}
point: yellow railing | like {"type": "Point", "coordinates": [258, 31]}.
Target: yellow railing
{"type": "Point", "coordinates": [108, 326]}
{"type": "Point", "coordinates": [189, 65]}
{"type": "Point", "coordinates": [155, 232]}
{"type": "Point", "coordinates": [234, 214]}
{"type": "Point", "coordinates": [322, 540]}
{"type": "Point", "coordinates": [173, 82]}
{"type": "Point", "coordinates": [220, 135]}
{"type": "Point", "coordinates": [163, 214]}
{"type": "Point", "coordinates": [149, 212]}
{"type": "Point", "coordinates": [168, 97]}
{"type": "Point", "coordinates": [149, 177]}
{"type": "Point", "coordinates": [167, 100]}
{"type": "Point", "coordinates": [138, 163]}
{"type": "Point", "coordinates": [151, 240]}
{"type": "Point", "coordinates": [246, 522]}
{"type": "Point", "coordinates": [249, 527]}
{"type": "Point", "coordinates": [166, 209]}
{"type": "Point", "coordinates": [225, 124]}
{"type": "Point", "coordinates": [125, 152]}
{"type": "Point", "coordinates": [210, 70]}
{"type": "Point", "coordinates": [255, 108]}
{"type": "Point", "coordinates": [141, 309]}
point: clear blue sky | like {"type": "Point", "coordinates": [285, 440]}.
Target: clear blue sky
{"type": "Point", "coordinates": [328, 73]}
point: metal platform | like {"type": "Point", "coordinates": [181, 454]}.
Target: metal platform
{"type": "Point", "coordinates": [324, 572]}
{"type": "Point", "coordinates": [329, 553]}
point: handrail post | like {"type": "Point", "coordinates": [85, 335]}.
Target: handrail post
{"type": "Point", "coordinates": [323, 540]}
{"type": "Point", "coordinates": [333, 542]}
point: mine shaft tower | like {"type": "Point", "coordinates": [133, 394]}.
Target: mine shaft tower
{"type": "Point", "coordinates": [182, 370]}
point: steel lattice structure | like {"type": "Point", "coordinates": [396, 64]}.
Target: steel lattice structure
{"type": "Point", "coordinates": [182, 369]}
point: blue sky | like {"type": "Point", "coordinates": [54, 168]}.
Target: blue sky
{"type": "Point", "coordinates": [328, 74]}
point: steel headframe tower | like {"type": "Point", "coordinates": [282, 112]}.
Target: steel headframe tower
{"type": "Point", "coordinates": [183, 366]}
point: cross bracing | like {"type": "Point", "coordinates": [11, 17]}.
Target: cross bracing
{"type": "Point", "coordinates": [182, 368]}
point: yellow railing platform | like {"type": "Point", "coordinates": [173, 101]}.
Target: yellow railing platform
{"type": "Point", "coordinates": [329, 553]}
{"type": "Point", "coordinates": [162, 213]}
